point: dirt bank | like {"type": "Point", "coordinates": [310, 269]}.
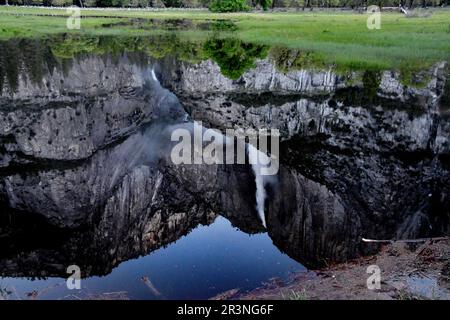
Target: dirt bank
{"type": "Point", "coordinates": [408, 271]}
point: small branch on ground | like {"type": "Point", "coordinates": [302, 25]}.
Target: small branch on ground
{"type": "Point", "coordinates": [405, 240]}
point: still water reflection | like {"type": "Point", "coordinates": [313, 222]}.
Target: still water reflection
{"type": "Point", "coordinates": [209, 260]}
{"type": "Point", "coordinates": [84, 176]}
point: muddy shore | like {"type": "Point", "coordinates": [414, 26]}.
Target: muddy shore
{"type": "Point", "coordinates": [407, 271]}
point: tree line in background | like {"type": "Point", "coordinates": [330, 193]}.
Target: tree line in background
{"type": "Point", "coordinates": [233, 5]}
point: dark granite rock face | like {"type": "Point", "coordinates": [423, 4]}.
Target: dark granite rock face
{"type": "Point", "coordinates": [89, 148]}
{"type": "Point", "coordinates": [78, 111]}
{"type": "Point", "coordinates": [357, 161]}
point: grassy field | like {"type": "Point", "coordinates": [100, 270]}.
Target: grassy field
{"type": "Point", "coordinates": [340, 38]}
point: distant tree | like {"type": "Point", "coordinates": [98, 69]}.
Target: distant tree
{"type": "Point", "coordinates": [265, 4]}
{"type": "Point", "coordinates": [110, 3]}
{"type": "Point", "coordinates": [173, 3]}
{"type": "Point", "coordinates": [228, 6]}
{"type": "Point", "coordinates": [307, 3]}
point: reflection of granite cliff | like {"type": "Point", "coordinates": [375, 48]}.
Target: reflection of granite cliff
{"type": "Point", "coordinates": [73, 113]}
{"type": "Point", "coordinates": [376, 151]}
{"type": "Point", "coordinates": [120, 190]}
{"type": "Point", "coordinates": [126, 203]}
{"type": "Point", "coordinates": [351, 166]}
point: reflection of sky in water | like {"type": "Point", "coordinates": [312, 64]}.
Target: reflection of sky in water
{"type": "Point", "coordinates": [209, 260]}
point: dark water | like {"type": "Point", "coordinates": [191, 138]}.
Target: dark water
{"type": "Point", "coordinates": [207, 261]}
{"type": "Point", "coordinates": [196, 258]}
{"type": "Point", "coordinates": [85, 178]}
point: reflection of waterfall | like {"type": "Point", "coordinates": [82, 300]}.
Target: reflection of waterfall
{"type": "Point", "coordinates": [154, 75]}
{"type": "Point", "coordinates": [256, 158]}
{"type": "Point", "coordinates": [208, 149]}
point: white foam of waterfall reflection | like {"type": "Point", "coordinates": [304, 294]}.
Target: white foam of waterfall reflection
{"type": "Point", "coordinates": [257, 159]}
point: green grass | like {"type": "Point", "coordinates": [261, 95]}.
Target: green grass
{"type": "Point", "coordinates": [340, 39]}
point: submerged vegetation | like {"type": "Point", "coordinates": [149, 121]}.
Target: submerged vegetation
{"type": "Point", "coordinates": [371, 81]}
{"type": "Point", "coordinates": [288, 59]}
{"type": "Point", "coordinates": [233, 56]}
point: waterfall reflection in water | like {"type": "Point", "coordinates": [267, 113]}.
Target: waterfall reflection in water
{"type": "Point", "coordinates": [136, 202]}
{"type": "Point", "coordinates": [358, 158]}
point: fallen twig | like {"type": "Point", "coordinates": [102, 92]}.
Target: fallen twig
{"type": "Point", "coordinates": [406, 240]}
{"type": "Point", "coordinates": [151, 286]}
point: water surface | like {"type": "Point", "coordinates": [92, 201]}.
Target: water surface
{"type": "Point", "coordinates": [209, 260]}
{"type": "Point", "coordinates": [85, 176]}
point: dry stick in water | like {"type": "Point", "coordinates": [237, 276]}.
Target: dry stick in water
{"type": "Point", "coordinates": [406, 240]}
{"type": "Point", "coordinates": [151, 286]}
